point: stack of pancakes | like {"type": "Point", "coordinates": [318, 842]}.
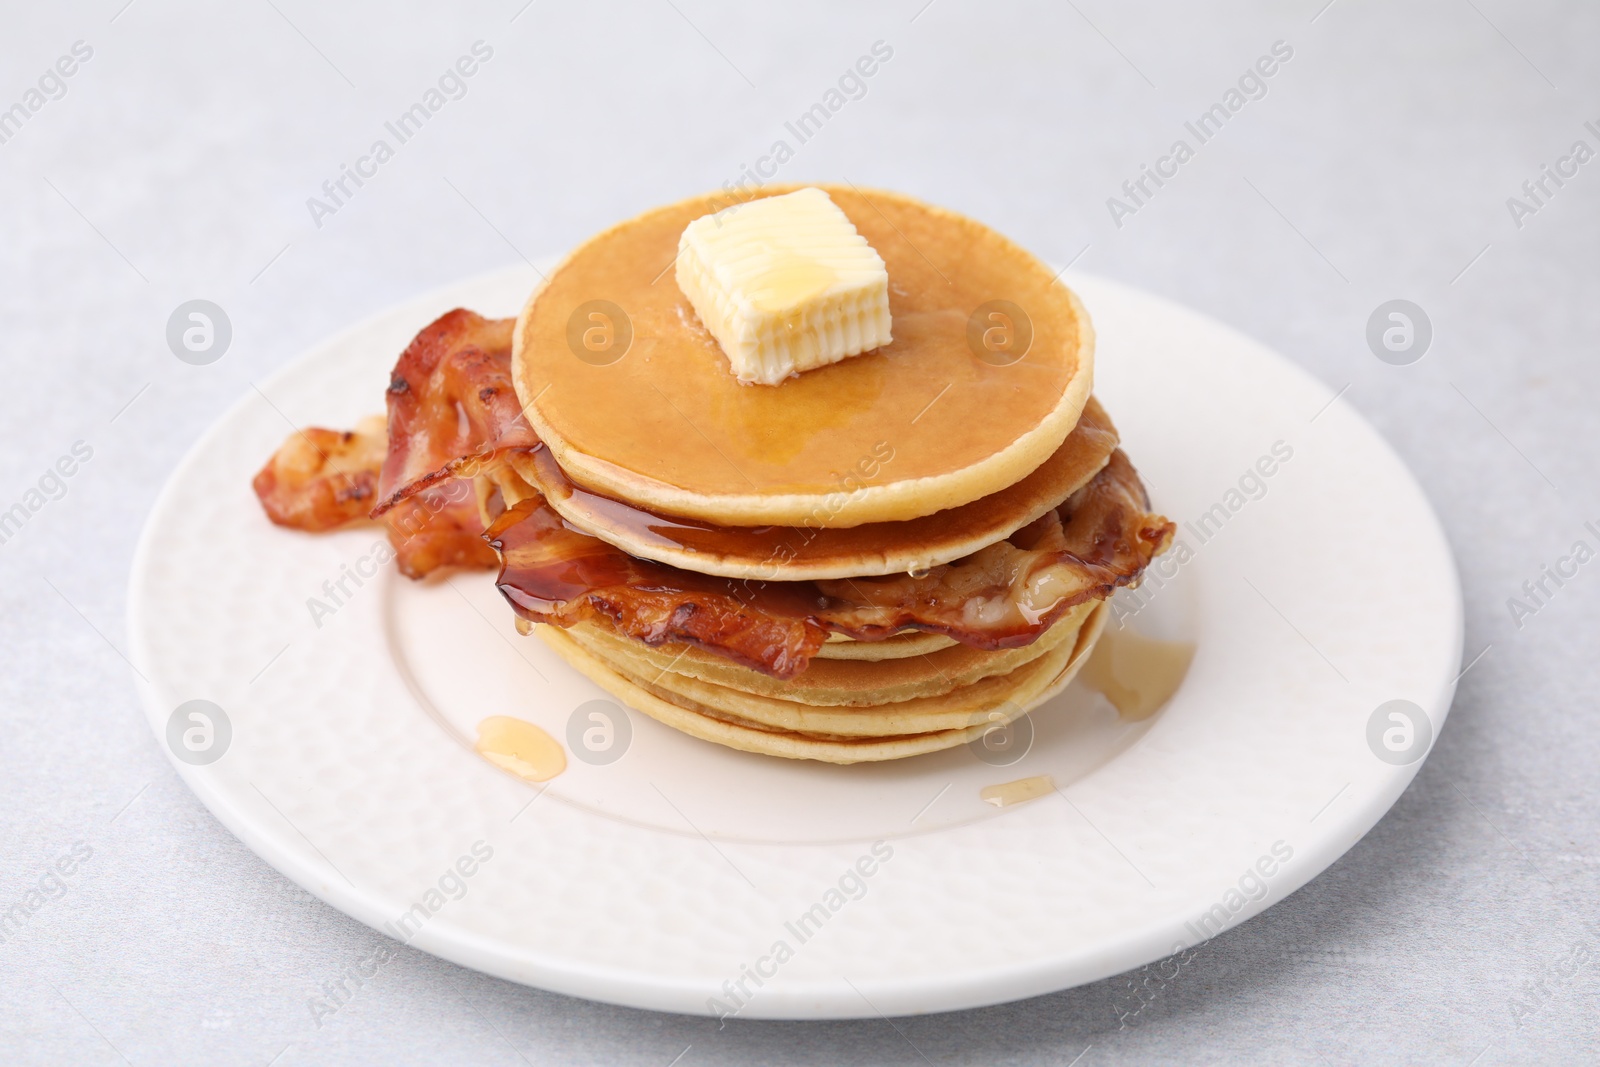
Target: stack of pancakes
{"type": "Point", "coordinates": [974, 427]}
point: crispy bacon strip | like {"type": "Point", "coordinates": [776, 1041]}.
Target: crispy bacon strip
{"type": "Point", "coordinates": [439, 527]}
{"type": "Point", "coordinates": [1006, 594]}
{"type": "Point", "coordinates": [553, 573]}
{"type": "Point", "coordinates": [453, 415]}
{"type": "Point", "coordinates": [451, 406]}
{"type": "Point", "coordinates": [1003, 596]}
{"type": "Point", "coordinates": [321, 479]}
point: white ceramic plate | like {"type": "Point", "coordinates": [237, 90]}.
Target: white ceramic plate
{"type": "Point", "coordinates": [680, 872]}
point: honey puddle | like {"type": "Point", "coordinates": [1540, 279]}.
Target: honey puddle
{"type": "Point", "coordinates": [1137, 674]}
{"type": "Point", "coordinates": [521, 748]}
{"type": "Point", "coordinates": [1023, 789]}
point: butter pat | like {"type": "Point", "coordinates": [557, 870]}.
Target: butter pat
{"type": "Point", "coordinates": [785, 284]}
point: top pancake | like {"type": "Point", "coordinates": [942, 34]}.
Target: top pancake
{"type": "Point", "coordinates": [928, 422]}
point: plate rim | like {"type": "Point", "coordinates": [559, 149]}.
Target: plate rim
{"type": "Point", "coordinates": [839, 999]}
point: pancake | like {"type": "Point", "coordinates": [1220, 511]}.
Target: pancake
{"type": "Point", "coordinates": [835, 683]}
{"type": "Point", "coordinates": [919, 426]}
{"type": "Point", "coordinates": [892, 718]}
{"type": "Point", "coordinates": [912, 643]}
{"type": "Point", "coordinates": [701, 722]}
{"type": "Point", "coordinates": [788, 553]}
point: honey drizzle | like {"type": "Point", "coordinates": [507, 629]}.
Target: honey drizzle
{"type": "Point", "coordinates": [1137, 674]}
{"type": "Point", "coordinates": [520, 748]}
{"type": "Point", "coordinates": [1005, 794]}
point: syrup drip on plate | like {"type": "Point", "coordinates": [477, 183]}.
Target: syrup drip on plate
{"type": "Point", "coordinates": [1005, 794]}
{"type": "Point", "coordinates": [1137, 674]}
{"type": "Point", "coordinates": [521, 748]}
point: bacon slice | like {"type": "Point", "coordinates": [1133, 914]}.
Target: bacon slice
{"type": "Point", "coordinates": [454, 416]}
{"type": "Point", "coordinates": [1006, 594]}
{"type": "Point", "coordinates": [439, 527]}
{"type": "Point", "coordinates": [1003, 596]}
{"type": "Point", "coordinates": [552, 573]}
{"type": "Point", "coordinates": [321, 479]}
{"type": "Point", "coordinates": [452, 407]}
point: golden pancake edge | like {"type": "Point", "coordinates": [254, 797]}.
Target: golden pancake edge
{"type": "Point", "coordinates": [921, 425]}
{"type": "Point", "coordinates": [734, 732]}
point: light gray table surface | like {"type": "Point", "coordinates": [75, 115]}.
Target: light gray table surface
{"type": "Point", "coordinates": [177, 160]}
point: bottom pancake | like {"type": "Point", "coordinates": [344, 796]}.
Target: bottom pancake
{"type": "Point", "coordinates": [1049, 674]}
